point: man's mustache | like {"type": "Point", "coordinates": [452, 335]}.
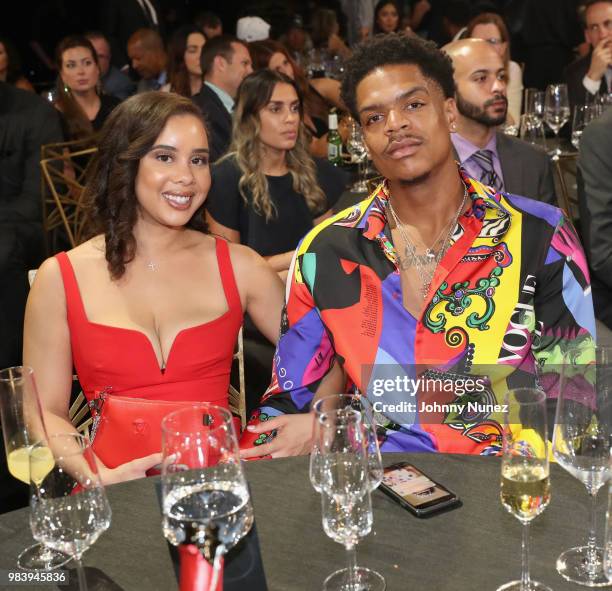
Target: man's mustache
{"type": "Point", "coordinates": [398, 137]}
{"type": "Point", "coordinates": [495, 99]}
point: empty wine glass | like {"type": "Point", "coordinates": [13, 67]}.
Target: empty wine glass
{"type": "Point", "coordinates": [534, 103]}
{"type": "Point", "coordinates": [608, 545]}
{"type": "Point", "coordinates": [581, 445]}
{"type": "Point", "coordinates": [532, 130]}
{"type": "Point", "coordinates": [355, 146]}
{"type": "Point", "coordinates": [68, 507]}
{"type": "Point", "coordinates": [204, 490]}
{"type": "Point", "coordinates": [22, 426]}
{"type": "Point", "coordinates": [363, 405]}
{"type": "Point", "coordinates": [345, 496]}
{"type": "Point", "coordinates": [556, 111]}
{"type": "Point", "coordinates": [583, 115]}
{"type": "Point", "coordinates": [525, 485]}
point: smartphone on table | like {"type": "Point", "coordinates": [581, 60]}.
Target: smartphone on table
{"type": "Point", "coordinates": [415, 491]}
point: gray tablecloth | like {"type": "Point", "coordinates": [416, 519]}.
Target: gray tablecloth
{"type": "Point", "coordinates": [474, 547]}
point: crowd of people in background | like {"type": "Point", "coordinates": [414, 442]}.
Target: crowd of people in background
{"type": "Point", "coordinates": [264, 83]}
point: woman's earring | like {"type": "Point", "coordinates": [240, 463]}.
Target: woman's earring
{"type": "Point", "coordinates": [453, 127]}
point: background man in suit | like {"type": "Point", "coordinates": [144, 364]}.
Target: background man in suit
{"type": "Point", "coordinates": [114, 81]}
{"type": "Point", "coordinates": [595, 202]}
{"type": "Point", "coordinates": [593, 72]}
{"type": "Point", "coordinates": [148, 59]}
{"type": "Point", "coordinates": [225, 63]}
{"type": "Point", "coordinates": [498, 160]}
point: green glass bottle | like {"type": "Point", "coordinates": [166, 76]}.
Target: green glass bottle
{"type": "Point", "coordinates": [334, 141]}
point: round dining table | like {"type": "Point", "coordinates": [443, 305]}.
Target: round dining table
{"type": "Point", "coordinates": [475, 546]}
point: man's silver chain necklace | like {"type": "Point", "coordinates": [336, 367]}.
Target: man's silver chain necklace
{"type": "Point", "coordinates": [426, 264]}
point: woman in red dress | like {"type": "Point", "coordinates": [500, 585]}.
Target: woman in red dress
{"type": "Point", "coordinates": [151, 306]}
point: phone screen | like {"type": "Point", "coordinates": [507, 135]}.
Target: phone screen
{"type": "Point", "coordinates": [413, 486]}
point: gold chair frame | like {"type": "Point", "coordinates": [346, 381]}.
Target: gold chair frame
{"type": "Point", "coordinates": [63, 186]}
{"type": "Point", "coordinates": [565, 167]}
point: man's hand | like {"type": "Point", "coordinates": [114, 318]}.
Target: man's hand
{"type": "Point", "coordinates": [294, 436]}
{"type": "Point", "coordinates": [600, 60]}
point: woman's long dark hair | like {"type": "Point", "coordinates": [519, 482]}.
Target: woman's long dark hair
{"type": "Point", "coordinates": [253, 95]}
{"type": "Point", "coordinates": [126, 137]}
{"type": "Point", "coordinates": [379, 6]}
{"type": "Point", "coordinates": [178, 76]}
{"type": "Point", "coordinates": [79, 126]}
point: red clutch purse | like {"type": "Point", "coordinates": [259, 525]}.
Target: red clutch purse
{"type": "Point", "coordinates": [126, 428]}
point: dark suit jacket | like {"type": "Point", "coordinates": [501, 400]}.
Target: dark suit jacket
{"type": "Point", "coordinates": [218, 121]}
{"type": "Point", "coordinates": [574, 73]}
{"type": "Point", "coordinates": [527, 170]}
{"type": "Point", "coordinates": [119, 19]}
{"type": "Point", "coordinates": [595, 205]}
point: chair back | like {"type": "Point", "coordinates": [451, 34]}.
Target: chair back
{"type": "Point", "coordinates": [64, 170]}
{"type": "Point", "coordinates": [237, 391]}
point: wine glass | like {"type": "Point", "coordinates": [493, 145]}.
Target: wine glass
{"type": "Point", "coordinates": [68, 506]}
{"type": "Point", "coordinates": [581, 445]}
{"type": "Point", "coordinates": [556, 111]}
{"type": "Point", "coordinates": [22, 426]}
{"type": "Point", "coordinates": [532, 130]}
{"type": "Point", "coordinates": [345, 496]}
{"type": "Point", "coordinates": [205, 495]}
{"type": "Point", "coordinates": [534, 103]}
{"type": "Point", "coordinates": [355, 146]}
{"type": "Point", "coordinates": [525, 485]}
{"type": "Point", "coordinates": [363, 405]}
{"type": "Point", "coordinates": [583, 115]}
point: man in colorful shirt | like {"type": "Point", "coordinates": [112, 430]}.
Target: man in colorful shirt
{"type": "Point", "coordinates": [435, 276]}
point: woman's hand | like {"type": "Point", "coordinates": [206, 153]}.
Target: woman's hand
{"type": "Point", "coordinates": [130, 470]}
{"type": "Point", "coordinates": [293, 438]}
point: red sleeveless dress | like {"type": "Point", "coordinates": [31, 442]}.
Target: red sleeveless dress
{"type": "Point", "coordinates": [122, 361]}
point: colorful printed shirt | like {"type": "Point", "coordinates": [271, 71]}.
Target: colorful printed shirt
{"type": "Point", "coordinates": [510, 296]}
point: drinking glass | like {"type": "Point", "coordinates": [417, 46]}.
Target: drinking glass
{"type": "Point", "coordinates": [556, 111]}
{"type": "Point", "coordinates": [205, 495]}
{"type": "Point", "coordinates": [532, 130]}
{"type": "Point", "coordinates": [534, 103]}
{"type": "Point", "coordinates": [525, 485]}
{"type": "Point", "coordinates": [346, 505]}
{"type": "Point", "coordinates": [581, 445]}
{"type": "Point", "coordinates": [583, 115]}
{"type": "Point", "coordinates": [68, 506]}
{"type": "Point", "coordinates": [22, 426]}
{"type": "Point", "coordinates": [363, 405]}
{"type": "Point", "coordinates": [355, 146]}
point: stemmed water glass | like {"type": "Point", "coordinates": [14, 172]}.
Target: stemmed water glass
{"type": "Point", "coordinates": [356, 147]}
{"type": "Point", "coordinates": [556, 111]}
{"type": "Point", "coordinates": [206, 500]}
{"type": "Point", "coordinates": [534, 103]}
{"type": "Point", "coordinates": [363, 405]}
{"type": "Point", "coordinates": [583, 115]}
{"type": "Point", "coordinates": [345, 496]}
{"type": "Point", "coordinates": [608, 546]}
{"type": "Point", "coordinates": [22, 426]}
{"type": "Point", "coordinates": [525, 485]}
{"type": "Point", "coordinates": [68, 506]}
{"type": "Point", "coordinates": [581, 445]}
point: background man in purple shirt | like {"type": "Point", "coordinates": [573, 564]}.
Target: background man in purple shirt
{"type": "Point", "coordinates": [500, 161]}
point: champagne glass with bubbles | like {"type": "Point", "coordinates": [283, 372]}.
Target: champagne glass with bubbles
{"type": "Point", "coordinates": [525, 486]}
{"type": "Point", "coordinates": [556, 111]}
{"type": "Point", "coordinates": [22, 427]}
{"type": "Point", "coordinates": [581, 445]}
{"type": "Point", "coordinates": [356, 147]}
{"type": "Point", "coordinates": [204, 489]}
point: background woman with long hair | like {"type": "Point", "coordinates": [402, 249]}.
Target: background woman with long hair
{"type": "Point", "coordinates": [492, 28]}
{"type": "Point", "coordinates": [151, 306]}
{"type": "Point", "coordinates": [268, 192]}
{"type": "Point", "coordinates": [184, 69]}
{"type": "Point", "coordinates": [79, 99]}
{"type": "Point", "coordinates": [318, 95]}
{"type": "Point", "coordinates": [387, 17]}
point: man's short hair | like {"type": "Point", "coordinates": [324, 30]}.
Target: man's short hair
{"type": "Point", "coordinates": [396, 49]}
{"type": "Point", "coordinates": [590, 3]}
{"type": "Point", "coordinates": [221, 45]}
